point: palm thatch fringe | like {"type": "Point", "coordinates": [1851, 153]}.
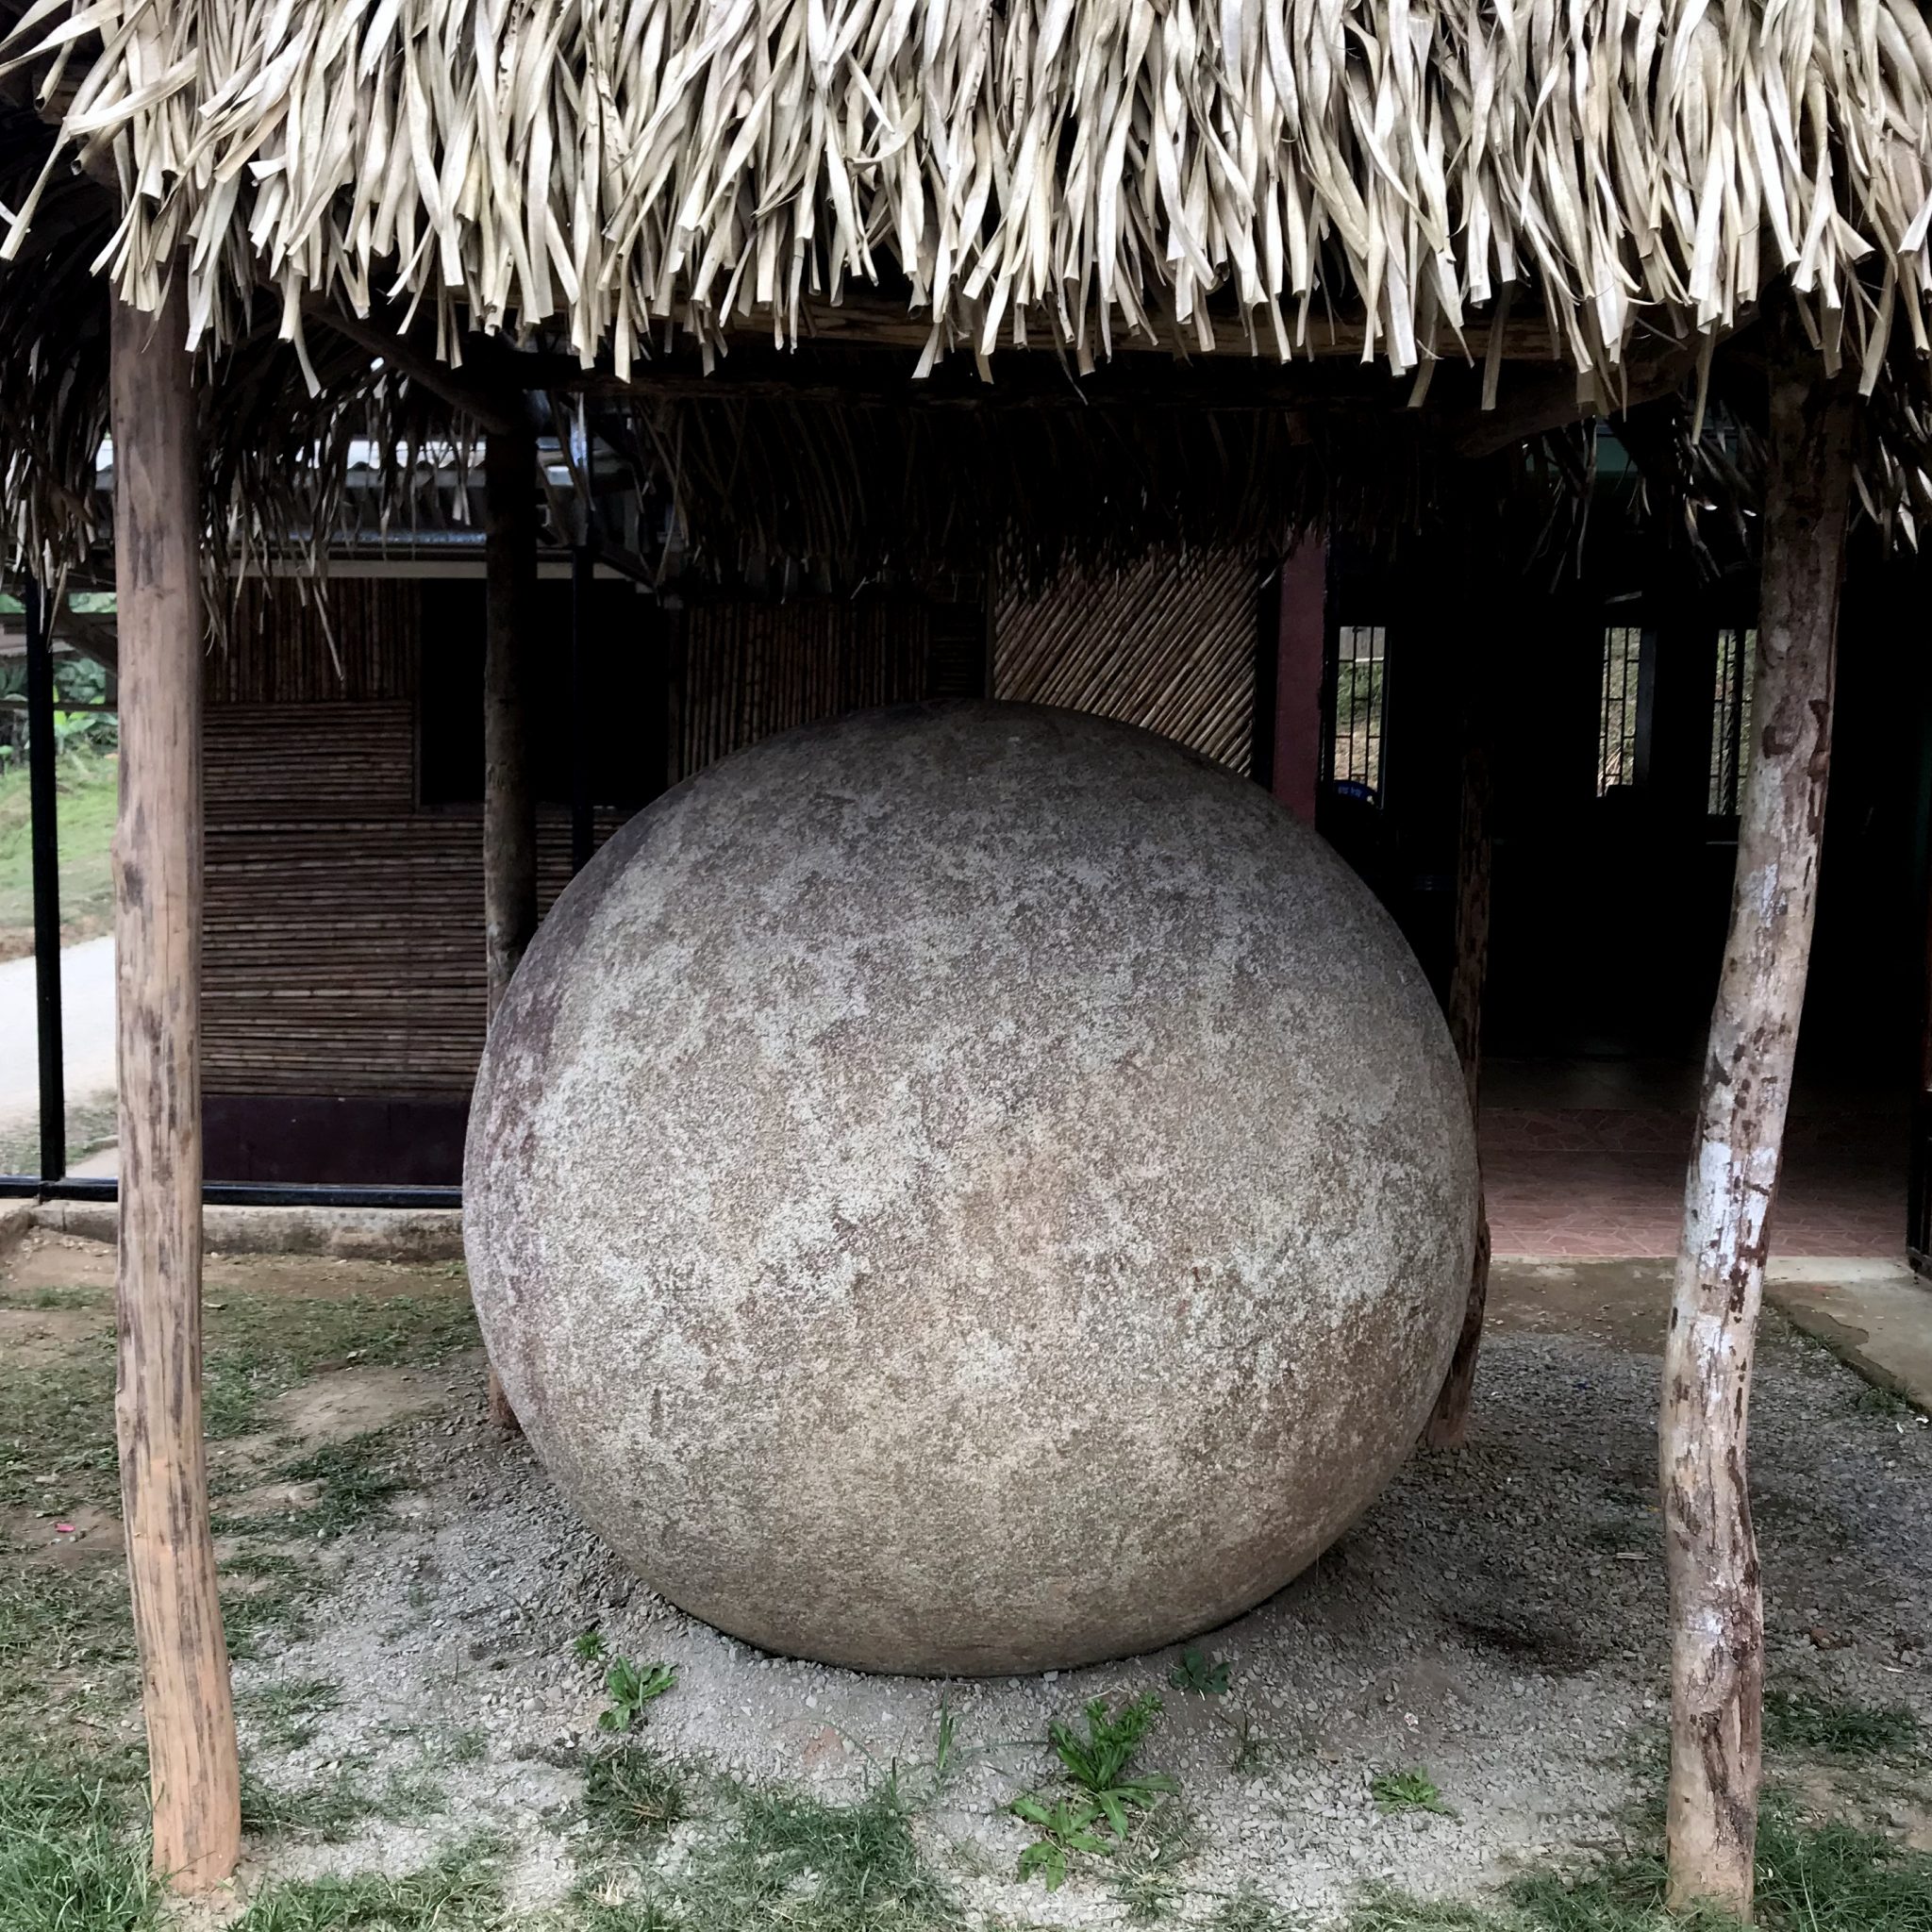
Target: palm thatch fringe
{"type": "Point", "coordinates": [1066, 171]}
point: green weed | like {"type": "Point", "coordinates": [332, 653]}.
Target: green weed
{"type": "Point", "coordinates": [1198, 1673]}
{"type": "Point", "coordinates": [1064, 1824]}
{"type": "Point", "coordinates": [587, 1646]}
{"type": "Point", "coordinates": [630, 1691]}
{"type": "Point", "coordinates": [1396, 1791]}
{"type": "Point", "coordinates": [1098, 1816]}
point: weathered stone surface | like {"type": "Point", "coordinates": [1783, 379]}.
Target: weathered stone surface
{"type": "Point", "coordinates": [968, 1188]}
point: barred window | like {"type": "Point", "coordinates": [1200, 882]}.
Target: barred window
{"type": "Point", "coordinates": [1618, 726]}
{"type": "Point", "coordinates": [1359, 703]}
{"type": "Point", "coordinates": [1730, 719]}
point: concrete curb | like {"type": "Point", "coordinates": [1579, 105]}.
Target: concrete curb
{"type": "Point", "coordinates": [359, 1234]}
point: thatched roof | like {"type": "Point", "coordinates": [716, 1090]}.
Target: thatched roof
{"type": "Point", "coordinates": [1606, 187]}
{"type": "Point", "coordinates": [1064, 171]}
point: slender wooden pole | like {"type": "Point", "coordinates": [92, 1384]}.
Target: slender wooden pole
{"type": "Point", "coordinates": [510, 790]}
{"type": "Point", "coordinates": [192, 1768]}
{"type": "Point", "coordinates": [1717, 1613]}
{"type": "Point", "coordinates": [43, 809]}
{"type": "Point", "coordinates": [1448, 1428]}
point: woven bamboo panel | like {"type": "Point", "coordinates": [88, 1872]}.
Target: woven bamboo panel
{"type": "Point", "coordinates": [305, 760]}
{"type": "Point", "coordinates": [346, 955]}
{"type": "Point", "coordinates": [751, 669]}
{"type": "Point", "coordinates": [294, 642]}
{"type": "Point", "coordinates": [1168, 645]}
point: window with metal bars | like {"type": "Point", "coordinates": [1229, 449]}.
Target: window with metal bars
{"type": "Point", "coordinates": [1730, 719]}
{"type": "Point", "coordinates": [1621, 712]}
{"type": "Point", "coordinates": [1358, 705]}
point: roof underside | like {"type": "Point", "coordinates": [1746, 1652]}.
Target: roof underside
{"type": "Point", "coordinates": [1562, 208]}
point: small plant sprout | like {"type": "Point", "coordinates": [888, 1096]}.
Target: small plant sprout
{"type": "Point", "coordinates": [589, 1645]}
{"type": "Point", "coordinates": [1200, 1674]}
{"type": "Point", "coordinates": [1396, 1791]}
{"type": "Point", "coordinates": [630, 1689]}
{"type": "Point", "coordinates": [942, 1748]}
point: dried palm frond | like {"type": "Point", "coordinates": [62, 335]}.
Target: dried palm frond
{"type": "Point", "coordinates": [1063, 170]}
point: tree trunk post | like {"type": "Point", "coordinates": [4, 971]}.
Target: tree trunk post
{"type": "Point", "coordinates": [1448, 1427]}
{"type": "Point", "coordinates": [1717, 1613]}
{"type": "Point", "coordinates": [510, 791]}
{"type": "Point", "coordinates": [192, 1768]}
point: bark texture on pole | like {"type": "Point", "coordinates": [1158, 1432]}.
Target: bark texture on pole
{"type": "Point", "coordinates": [1717, 1617]}
{"type": "Point", "coordinates": [509, 788]}
{"type": "Point", "coordinates": [171, 1562]}
{"type": "Point", "coordinates": [1449, 1424]}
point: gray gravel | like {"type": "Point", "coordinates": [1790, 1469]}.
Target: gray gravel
{"type": "Point", "coordinates": [1497, 1619]}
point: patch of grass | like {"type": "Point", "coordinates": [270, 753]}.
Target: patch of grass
{"type": "Point", "coordinates": [1248, 1911]}
{"type": "Point", "coordinates": [1145, 1872]}
{"type": "Point", "coordinates": [1100, 1764]}
{"type": "Point", "coordinates": [84, 813]}
{"type": "Point", "coordinates": [587, 1646]}
{"type": "Point", "coordinates": [633, 1793]}
{"type": "Point", "coordinates": [1382, 1910]}
{"type": "Point", "coordinates": [357, 1479]}
{"type": "Point", "coordinates": [59, 1447]}
{"type": "Point", "coordinates": [1829, 1877]}
{"type": "Point", "coordinates": [1200, 1674]}
{"type": "Point", "coordinates": [330, 1807]}
{"type": "Point", "coordinates": [796, 1861]}
{"type": "Point", "coordinates": [284, 1714]}
{"type": "Point", "coordinates": [327, 1809]}
{"type": "Point", "coordinates": [1396, 1791]}
{"type": "Point", "coordinates": [69, 1862]}
{"type": "Point", "coordinates": [1797, 1721]}
{"type": "Point", "coordinates": [66, 1298]}
{"type": "Point", "coordinates": [461, 1892]}
{"type": "Point", "coordinates": [262, 1345]}
{"type": "Point", "coordinates": [1873, 1400]}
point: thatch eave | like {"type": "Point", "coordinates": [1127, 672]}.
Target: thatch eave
{"type": "Point", "coordinates": [1086, 176]}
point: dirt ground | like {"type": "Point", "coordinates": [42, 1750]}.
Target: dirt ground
{"type": "Point", "coordinates": [1468, 1687]}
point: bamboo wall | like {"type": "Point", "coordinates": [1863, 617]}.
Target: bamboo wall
{"type": "Point", "coordinates": [1170, 645]}
{"type": "Point", "coordinates": [343, 926]}
{"type": "Point", "coordinates": [747, 670]}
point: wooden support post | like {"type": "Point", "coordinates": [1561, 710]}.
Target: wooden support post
{"type": "Point", "coordinates": [192, 1768]}
{"type": "Point", "coordinates": [1448, 1428]}
{"type": "Point", "coordinates": [509, 788]}
{"type": "Point", "coordinates": [510, 791]}
{"type": "Point", "coordinates": [1717, 1614]}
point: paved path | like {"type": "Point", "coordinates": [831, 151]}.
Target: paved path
{"type": "Point", "coordinates": [87, 1003]}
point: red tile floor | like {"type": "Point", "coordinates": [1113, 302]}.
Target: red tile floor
{"type": "Point", "coordinates": [1586, 1159]}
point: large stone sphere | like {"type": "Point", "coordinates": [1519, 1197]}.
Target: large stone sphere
{"type": "Point", "coordinates": [968, 1188]}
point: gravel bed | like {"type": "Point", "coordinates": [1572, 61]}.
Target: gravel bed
{"type": "Point", "coordinates": [1497, 1620]}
